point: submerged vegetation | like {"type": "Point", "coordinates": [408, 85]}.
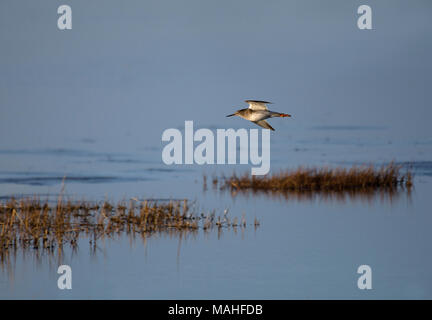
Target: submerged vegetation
{"type": "Point", "coordinates": [33, 224]}
{"type": "Point", "coordinates": [47, 226]}
{"type": "Point", "coordinates": [304, 182]}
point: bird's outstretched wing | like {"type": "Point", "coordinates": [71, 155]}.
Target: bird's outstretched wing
{"type": "Point", "coordinates": [257, 104]}
{"type": "Point", "coordinates": [264, 124]}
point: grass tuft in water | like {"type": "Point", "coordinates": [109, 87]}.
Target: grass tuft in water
{"type": "Point", "coordinates": [326, 179]}
{"type": "Point", "coordinates": [32, 224]}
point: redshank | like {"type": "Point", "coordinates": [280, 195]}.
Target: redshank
{"type": "Point", "coordinates": [258, 112]}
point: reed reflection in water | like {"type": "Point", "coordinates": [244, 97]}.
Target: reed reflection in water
{"type": "Point", "coordinates": [43, 229]}
{"type": "Point", "coordinates": [365, 183]}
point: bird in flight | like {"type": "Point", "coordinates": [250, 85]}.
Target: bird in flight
{"type": "Point", "coordinates": [257, 113]}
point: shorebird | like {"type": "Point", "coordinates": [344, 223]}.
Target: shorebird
{"type": "Point", "coordinates": [257, 113]}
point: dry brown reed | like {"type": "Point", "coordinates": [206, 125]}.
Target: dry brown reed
{"type": "Point", "coordinates": [331, 182]}
{"type": "Point", "coordinates": [33, 224]}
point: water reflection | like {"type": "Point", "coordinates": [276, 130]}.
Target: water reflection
{"type": "Point", "coordinates": [344, 197]}
{"type": "Point", "coordinates": [366, 183]}
{"type": "Point", "coordinates": [46, 230]}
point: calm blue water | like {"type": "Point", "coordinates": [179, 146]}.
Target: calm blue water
{"type": "Point", "coordinates": [304, 248]}
{"type": "Point", "coordinates": [91, 104]}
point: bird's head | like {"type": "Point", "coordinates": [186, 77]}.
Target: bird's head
{"type": "Point", "coordinates": [234, 114]}
{"type": "Point", "coordinates": [238, 113]}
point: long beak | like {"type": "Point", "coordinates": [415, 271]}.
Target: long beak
{"type": "Point", "coordinates": [230, 115]}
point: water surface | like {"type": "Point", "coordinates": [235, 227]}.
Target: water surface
{"type": "Point", "coordinates": [89, 105]}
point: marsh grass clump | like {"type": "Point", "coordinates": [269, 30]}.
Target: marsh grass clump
{"type": "Point", "coordinates": [47, 226]}
{"type": "Point", "coordinates": [366, 179]}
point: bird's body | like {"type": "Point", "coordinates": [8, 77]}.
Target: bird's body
{"type": "Point", "coordinates": [257, 113]}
